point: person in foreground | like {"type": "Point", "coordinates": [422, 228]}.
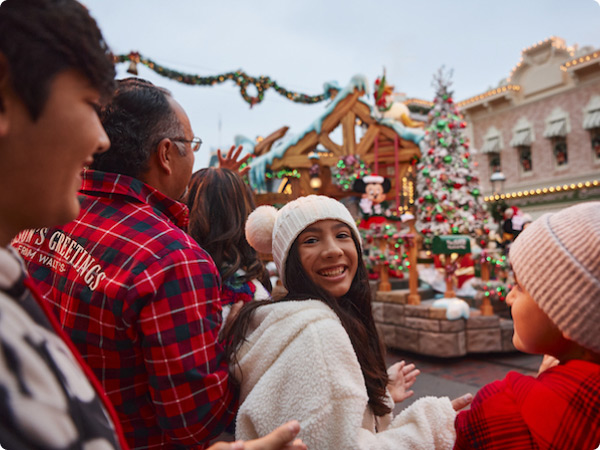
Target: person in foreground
{"type": "Point", "coordinates": [315, 355]}
{"type": "Point", "coordinates": [556, 311]}
{"type": "Point", "coordinates": [220, 202]}
{"type": "Point", "coordinates": [55, 69]}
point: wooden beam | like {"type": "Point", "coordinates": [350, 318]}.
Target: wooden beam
{"type": "Point", "coordinates": [304, 183]}
{"type": "Point", "coordinates": [348, 125]}
{"type": "Point", "coordinates": [296, 152]}
{"type": "Point", "coordinates": [326, 142]}
{"type": "Point", "coordinates": [333, 120]}
{"type": "Point", "coordinates": [363, 112]}
{"type": "Point", "coordinates": [367, 140]}
{"type": "Point", "coordinates": [265, 145]}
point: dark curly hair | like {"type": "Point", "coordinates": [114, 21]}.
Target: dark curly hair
{"type": "Point", "coordinates": [138, 117]}
{"type": "Point", "coordinates": [219, 203]}
{"type": "Point", "coordinates": [42, 38]}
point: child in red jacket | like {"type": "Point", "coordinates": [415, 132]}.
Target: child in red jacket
{"type": "Point", "coordinates": [556, 311]}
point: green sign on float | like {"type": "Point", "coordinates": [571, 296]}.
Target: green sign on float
{"type": "Point", "coordinates": [446, 245]}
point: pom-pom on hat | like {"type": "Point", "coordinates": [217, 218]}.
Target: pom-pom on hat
{"type": "Point", "coordinates": [272, 231]}
{"type": "Point", "coordinates": [557, 260]}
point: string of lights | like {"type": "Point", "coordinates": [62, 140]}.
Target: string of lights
{"type": "Point", "coordinates": [242, 79]}
{"type": "Point", "coordinates": [542, 191]}
{"type": "Point", "coordinates": [490, 93]}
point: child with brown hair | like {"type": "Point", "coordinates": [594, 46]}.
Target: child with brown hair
{"type": "Point", "coordinates": [556, 311]}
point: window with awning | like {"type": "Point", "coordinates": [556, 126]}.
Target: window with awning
{"type": "Point", "coordinates": [591, 118]}
{"type": "Point", "coordinates": [557, 124]}
{"type": "Point", "coordinates": [557, 128]}
{"type": "Point", "coordinates": [521, 138]}
{"type": "Point", "coordinates": [522, 133]}
{"type": "Point", "coordinates": [492, 141]}
{"type": "Point", "coordinates": [491, 145]}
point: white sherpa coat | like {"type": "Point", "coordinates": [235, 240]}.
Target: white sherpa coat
{"type": "Point", "coordinates": [298, 363]}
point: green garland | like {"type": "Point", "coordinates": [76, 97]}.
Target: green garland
{"type": "Point", "coordinates": [348, 169]}
{"type": "Point", "coordinates": [495, 290]}
{"type": "Point", "coordinates": [286, 172]}
{"type": "Point", "coordinates": [243, 80]}
{"type": "Point", "coordinates": [394, 255]}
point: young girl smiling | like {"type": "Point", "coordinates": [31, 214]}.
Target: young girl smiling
{"type": "Point", "coordinates": [315, 354]}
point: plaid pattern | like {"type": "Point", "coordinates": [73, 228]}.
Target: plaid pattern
{"type": "Point", "coordinates": [560, 409]}
{"type": "Point", "coordinates": [140, 300]}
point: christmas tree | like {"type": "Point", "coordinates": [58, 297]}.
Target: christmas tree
{"type": "Point", "coordinates": [449, 198]}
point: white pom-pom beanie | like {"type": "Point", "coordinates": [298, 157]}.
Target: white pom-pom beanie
{"type": "Point", "coordinates": [557, 260]}
{"type": "Point", "coordinates": [272, 231]}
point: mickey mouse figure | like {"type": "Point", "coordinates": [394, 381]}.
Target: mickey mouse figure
{"type": "Point", "coordinates": [373, 189]}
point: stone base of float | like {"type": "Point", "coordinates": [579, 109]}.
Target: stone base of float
{"type": "Point", "coordinates": [424, 330]}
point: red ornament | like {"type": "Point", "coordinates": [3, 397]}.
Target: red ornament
{"type": "Point", "coordinates": [427, 219]}
{"type": "Point", "coordinates": [450, 100]}
{"type": "Point", "coordinates": [463, 124]}
{"type": "Point", "coordinates": [439, 217]}
{"type": "Point", "coordinates": [467, 155]}
{"type": "Point", "coordinates": [451, 125]}
{"type": "Point", "coordinates": [431, 151]}
{"type": "Point", "coordinates": [421, 200]}
{"type": "Point", "coordinates": [457, 185]}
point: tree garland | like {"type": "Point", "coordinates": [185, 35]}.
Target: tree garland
{"type": "Point", "coordinates": [495, 290]}
{"type": "Point", "coordinates": [393, 255]}
{"type": "Point", "coordinates": [242, 79]}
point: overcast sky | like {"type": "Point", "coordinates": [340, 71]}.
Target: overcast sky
{"type": "Point", "coordinates": [303, 44]}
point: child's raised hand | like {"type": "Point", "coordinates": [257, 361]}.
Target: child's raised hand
{"type": "Point", "coordinates": [231, 161]}
{"type": "Point", "coordinates": [547, 362]}
{"type": "Point", "coordinates": [401, 378]}
{"type": "Point", "coordinates": [462, 402]}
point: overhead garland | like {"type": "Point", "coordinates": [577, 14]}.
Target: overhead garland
{"type": "Point", "coordinates": [241, 78]}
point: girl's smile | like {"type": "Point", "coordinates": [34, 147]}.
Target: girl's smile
{"type": "Point", "coordinates": [329, 256]}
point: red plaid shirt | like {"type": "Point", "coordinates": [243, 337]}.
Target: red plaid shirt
{"type": "Point", "coordinates": [140, 300]}
{"type": "Point", "coordinates": [560, 409]}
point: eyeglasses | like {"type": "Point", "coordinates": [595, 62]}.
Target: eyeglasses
{"type": "Point", "coordinates": [195, 142]}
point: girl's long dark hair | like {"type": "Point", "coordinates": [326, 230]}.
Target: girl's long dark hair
{"type": "Point", "coordinates": [219, 203]}
{"type": "Point", "coordinates": [354, 311]}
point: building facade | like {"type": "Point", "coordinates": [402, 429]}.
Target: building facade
{"type": "Point", "coordinates": [539, 130]}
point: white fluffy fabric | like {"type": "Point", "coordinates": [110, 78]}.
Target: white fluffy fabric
{"type": "Point", "coordinates": [298, 363]}
{"type": "Point", "coordinates": [259, 228]}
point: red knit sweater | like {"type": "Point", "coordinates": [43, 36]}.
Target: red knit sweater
{"type": "Point", "coordinates": [560, 409]}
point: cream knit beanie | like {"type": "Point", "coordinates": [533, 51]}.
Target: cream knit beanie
{"type": "Point", "coordinates": [272, 231]}
{"type": "Point", "coordinates": [557, 260]}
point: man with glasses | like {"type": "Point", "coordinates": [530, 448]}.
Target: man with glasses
{"type": "Point", "coordinates": [138, 297]}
